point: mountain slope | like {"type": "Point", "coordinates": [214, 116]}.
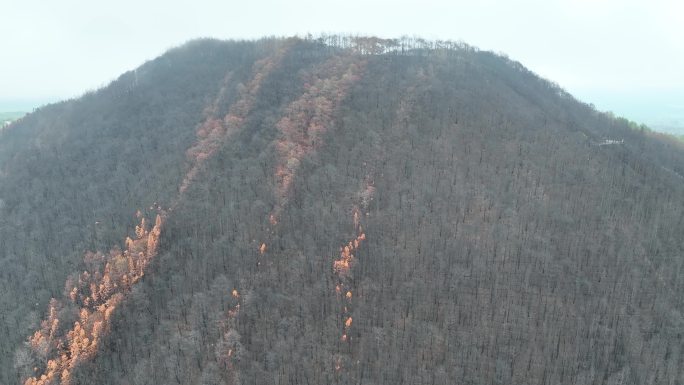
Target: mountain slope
{"type": "Point", "coordinates": [347, 210]}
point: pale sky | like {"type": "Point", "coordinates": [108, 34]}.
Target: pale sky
{"type": "Point", "coordinates": [53, 50]}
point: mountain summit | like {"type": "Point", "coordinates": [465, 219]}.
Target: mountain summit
{"type": "Point", "coordinates": [342, 210]}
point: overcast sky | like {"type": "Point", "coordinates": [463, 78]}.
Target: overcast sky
{"type": "Point", "coordinates": [53, 50]}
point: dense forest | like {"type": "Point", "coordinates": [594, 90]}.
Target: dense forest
{"type": "Point", "coordinates": [338, 210]}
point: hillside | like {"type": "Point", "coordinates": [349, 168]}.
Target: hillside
{"type": "Point", "coordinates": [8, 117]}
{"type": "Point", "coordinates": [338, 211]}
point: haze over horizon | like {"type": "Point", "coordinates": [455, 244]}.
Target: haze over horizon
{"type": "Point", "coordinates": [623, 56]}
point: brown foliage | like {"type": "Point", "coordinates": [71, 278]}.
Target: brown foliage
{"type": "Point", "coordinates": [214, 130]}
{"type": "Point", "coordinates": [309, 117]}
{"type": "Point", "coordinates": [98, 293]}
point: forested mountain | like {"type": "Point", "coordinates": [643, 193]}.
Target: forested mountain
{"type": "Point", "coordinates": [8, 117]}
{"type": "Point", "coordinates": [338, 211]}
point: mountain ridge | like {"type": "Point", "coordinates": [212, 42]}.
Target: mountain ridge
{"type": "Point", "coordinates": [403, 212]}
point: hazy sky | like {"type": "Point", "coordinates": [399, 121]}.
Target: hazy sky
{"type": "Point", "coordinates": [594, 48]}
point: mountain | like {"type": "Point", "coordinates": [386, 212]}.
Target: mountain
{"type": "Point", "coordinates": [342, 210]}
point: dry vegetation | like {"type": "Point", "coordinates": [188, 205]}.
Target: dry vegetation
{"type": "Point", "coordinates": [339, 210]}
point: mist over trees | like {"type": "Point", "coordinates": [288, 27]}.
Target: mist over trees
{"type": "Point", "coordinates": [338, 210]}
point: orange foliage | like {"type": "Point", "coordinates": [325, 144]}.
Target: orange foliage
{"type": "Point", "coordinates": [212, 132]}
{"type": "Point", "coordinates": [140, 229]}
{"type": "Point", "coordinates": [153, 238]}
{"type": "Point", "coordinates": [228, 346]}
{"type": "Point", "coordinates": [342, 269]}
{"type": "Point", "coordinates": [342, 265]}
{"type": "Point", "coordinates": [309, 117]}
{"type": "Point", "coordinates": [98, 293]}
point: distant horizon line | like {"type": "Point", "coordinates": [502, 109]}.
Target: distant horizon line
{"type": "Point", "coordinates": [650, 106]}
